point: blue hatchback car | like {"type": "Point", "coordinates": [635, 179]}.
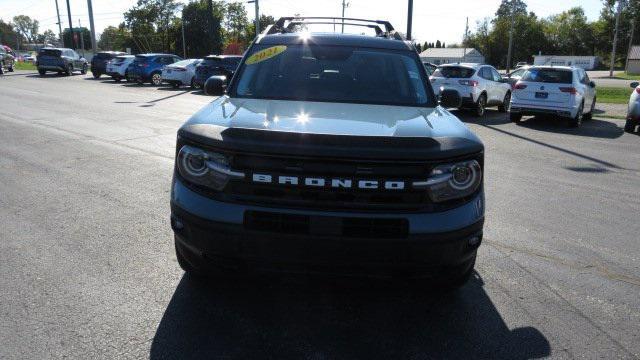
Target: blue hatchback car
{"type": "Point", "coordinates": [148, 67]}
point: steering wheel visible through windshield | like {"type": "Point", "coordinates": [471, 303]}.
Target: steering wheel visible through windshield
{"type": "Point", "coordinates": [333, 74]}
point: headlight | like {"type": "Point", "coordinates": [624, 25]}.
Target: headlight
{"type": "Point", "coordinates": [205, 168]}
{"type": "Point", "coordinates": [452, 181]}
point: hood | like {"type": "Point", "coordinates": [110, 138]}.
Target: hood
{"type": "Point", "coordinates": [230, 120]}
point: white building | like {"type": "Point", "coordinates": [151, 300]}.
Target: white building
{"type": "Point", "coordinates": [585, 62]}
{"type": "Point", "coordinates": [440, 56]}
{"type": "Point", "coordinates": [633, 60]}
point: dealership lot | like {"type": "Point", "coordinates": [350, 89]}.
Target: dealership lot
{"type": "Point", "coordinates": [89, 270]}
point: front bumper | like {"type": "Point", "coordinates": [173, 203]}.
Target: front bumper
{"type": "Point", "coordinates": [216, 234]}
{"type": "Point", "coordinates": [52, 67]}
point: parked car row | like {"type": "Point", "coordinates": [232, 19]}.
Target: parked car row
{"type": "Point", "coordinates": [560, 91]}
{"type": "Point", "coordinates": [151, 68]}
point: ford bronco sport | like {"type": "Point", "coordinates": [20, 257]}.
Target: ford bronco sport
{"type": "Point", "coordinates": [328, 153]}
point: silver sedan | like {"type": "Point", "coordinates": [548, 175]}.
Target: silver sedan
{"type": "Point", "coordinates": [633, 112]}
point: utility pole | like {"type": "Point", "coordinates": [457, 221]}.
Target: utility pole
{"type": "Point", "coordinates": [59, 24]}
{"type": "Point", "coordinates": [210, 10]}
{"type": "Point", "coordinates": [184, 43]}
{"type": "Point", "coordinates": [345, 4]}
{"type": "Point", "coordinates": [92, 27]}
{"type": "Point", "coordinates": [615, 39]}
{"type": "Point", "coordinates": [80, 32]}
{"type": "Point", "coordinates": [464, 40]}
{"type": "Point", "coordinates": [513, 20]}
{"type": "Point", "coordinates": [257, 18]}
{"type": "Point", "coordinates": [73, 43]}
{"type": "Point", "coordinates": [409, 19]}
{"type": "Point", "coordinates": [633, 27]}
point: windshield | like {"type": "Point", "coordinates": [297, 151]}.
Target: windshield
{"type": "Point", "coordinates": [557, 76]}
{"type": "Point", "coordinates": [120, 59]}
{"type": "Point", "coordinates": [185, 62]}
{"type": "Point", "coordinates": [333, 74]}
{"type": "Point", "coordinates": [456, 72]}
{"type": "Point", "coordinates": [50, 52]}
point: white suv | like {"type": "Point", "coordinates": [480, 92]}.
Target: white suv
{"type": "Point", "coordinates": [562, 91]}
{"type": "Point", "coordinates": [479, 85]}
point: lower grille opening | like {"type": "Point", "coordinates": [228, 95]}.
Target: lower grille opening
{"type": "Point", "coordinates": [367, 228]}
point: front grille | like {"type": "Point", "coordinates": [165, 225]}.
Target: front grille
{"type": "Point", "coordinates": [245, 191]}
{"type": "Point", "coordinates": [328, 198]}
{"type": "Point", "coordinates": [367, 228]}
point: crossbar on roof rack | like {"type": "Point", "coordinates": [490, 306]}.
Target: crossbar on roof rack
{"type": "Point", "coordinates": [279, 26]}
{"type": "Point", "coordinates": [377, 29]}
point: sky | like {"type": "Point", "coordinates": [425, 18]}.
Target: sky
{"type": "Point", "coordinates": [433, 19]}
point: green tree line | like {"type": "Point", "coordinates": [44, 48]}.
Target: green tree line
{"type": "Point", "coordinates": [566, 33]}
{"type": "Point", "coordinates": [156, 26]}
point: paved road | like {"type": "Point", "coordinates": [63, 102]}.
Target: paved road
{"type": "Point", "coordinates": [88, 268]}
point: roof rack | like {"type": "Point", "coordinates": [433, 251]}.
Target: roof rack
{"type": "Point", "coordinates": [280, 28]}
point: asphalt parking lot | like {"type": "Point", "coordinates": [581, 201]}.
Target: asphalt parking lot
{"type": "Point", "coordinates": [89, 271]}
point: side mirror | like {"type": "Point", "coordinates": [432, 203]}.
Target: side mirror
{"type": "Point", "coordinates": [592, 84]}
{"type": "Point", "coordinates": [634, 84]}
{"type": "Point", "coordinates": [450, 99]}
{"type": "Point", "coordinates": [215, 85]}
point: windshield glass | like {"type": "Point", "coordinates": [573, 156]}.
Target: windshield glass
{"type": "Point", "coordinates": [119, 59]}
{"type": "Point", "coordinates": [456, 72]}
{"type": "Point", "coordinates": [557, 76]}
{"type": "Point", "coordinates": [187, 62]}
{"type": "Point", "coordinates": [50, 52]}
{"type": "Point", "coordinates": [333, 74]}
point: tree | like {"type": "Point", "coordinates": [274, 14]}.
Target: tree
{"type": "Point", "coordinates": [27, 27]}
{"type": "Point", "coordinates": [506, 8]}
{"type": "Point", "coordinates": [150, 21]}
{"type": "Point", "coordinates": [48, 37]}
{"type": "Point", "coordinates": [8, 35]}
{"type": "Point", "coordinates": [265, 20]}
{"type": "Point", "coordinates": [116, 38]}
{"type": "Point", "coordinates": [199, 40]}
{"type": "Point", "coordinates": [570, 31]}
{"type": "Point", "coordinates": [77, 41]}
{"type": "Point", "coordinates": [438, 44]}
{"type": "Point", "coordinates": [236, 22]}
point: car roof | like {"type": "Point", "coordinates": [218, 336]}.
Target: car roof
{"type": "Point", "coordinates": [466, 65]}
{"type": "Point", "coordinates": [329, 39]}
{"type": "Point", "coordinates": [154, 54]}
{"type": "Point", "coordinates": [223, 57]}
{"type": "Point", "coordinates": [552, 67]}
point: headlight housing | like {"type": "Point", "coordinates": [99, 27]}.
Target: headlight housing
{"type": "Point", "coordinates": [205, 168]}
{"type": "Point", "coordinates": [452, 181]}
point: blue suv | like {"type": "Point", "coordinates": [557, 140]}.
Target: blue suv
{"type": "Point", "coordinates": [148, 67]}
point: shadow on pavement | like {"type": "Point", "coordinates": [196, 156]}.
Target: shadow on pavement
{"type": "Point", "coordinates": [6, 73]}
{"type": "Point", "coordinates": [591, 128]}
{"type": "Point", "coordinates": [337, 321]}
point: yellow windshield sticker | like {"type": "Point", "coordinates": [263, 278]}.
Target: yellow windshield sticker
{"type": "Point", "coordinates": [265, 54]}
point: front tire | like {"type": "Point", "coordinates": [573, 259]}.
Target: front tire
{"type": "Point", "coordinates": [458, 276]}
{"type": "Point", "coordinates": [42, 72]}
{"type": "Point", "coordinates": [630, 126]}
{"type": "Point", "coordinates": [69, 70]}
{"type": "Point", "coordinates": [83, 71]}
{"type": "Point", "coordinates": [481, 106]}
{"type": "Point", "coordinates": [10, 68]}
{"type": "Point", "coordinates": [96, 75]}
{"type": "Point", "coordinates": [506, 103]}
